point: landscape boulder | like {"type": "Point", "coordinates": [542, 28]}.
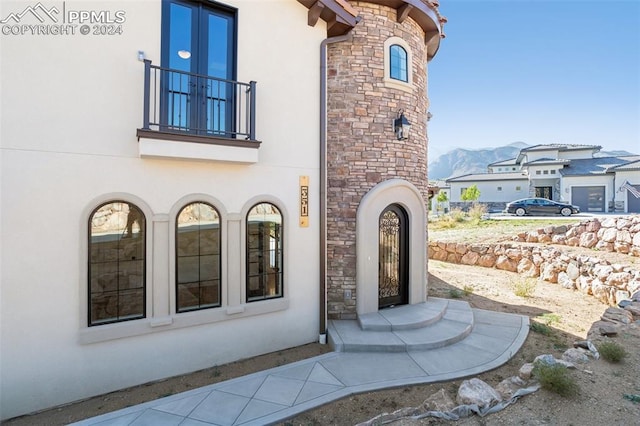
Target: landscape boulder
{"type": "Point", "coordinates": [509, 386]}
{"type": "Point", "coordinates": [619, 315]}
{"type": "Point", "coordinates": [588, 240]}
{"type": "Point", "coordinates": [575, 356]}
{"type": "Point", "coordinates": [477, 392]}
{"type": "Point", "coordinates": [439, 401]}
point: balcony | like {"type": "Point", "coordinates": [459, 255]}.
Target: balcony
{"type": "Point", "coordinates": [191, 116]}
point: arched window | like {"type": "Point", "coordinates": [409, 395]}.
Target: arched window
{"type": "Point", "coordinates": [264, 252]}
{"type": "Point", "coordinates": [197, 257]}
{"type": "Point", "coordinates": [398, 66]}
{"type": "Point", "coordinates": [117, 279]}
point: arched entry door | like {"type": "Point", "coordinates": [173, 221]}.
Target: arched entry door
{"type": "Point", "coordinates": [393, 265]}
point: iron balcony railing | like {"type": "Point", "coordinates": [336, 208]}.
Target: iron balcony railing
{"type": "Point", "coordinates": [181, 102]}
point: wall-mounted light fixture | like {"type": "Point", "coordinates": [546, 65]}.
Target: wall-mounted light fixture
{"type": "Point", "coordinates": [401, 126]}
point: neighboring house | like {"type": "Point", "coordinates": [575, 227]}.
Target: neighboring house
{"type": "Point", "coordinates": [439, 187]}
{"type": "Point", "coordinates": [504, 166]}
{"type": "Point", "coordinates": [188, 183]}
{"type": "Point", "coordinates": [627, 186]}
{"type": "Point", "coordinates": [496, 189]}
{"type": "Point", "coordinates": [560, 172]}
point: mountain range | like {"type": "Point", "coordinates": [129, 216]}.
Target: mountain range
{"type": "Point", "coordinates": [460, 161]}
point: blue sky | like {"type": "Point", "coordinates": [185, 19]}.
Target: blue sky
{"type": "Point", "coordinates": [536, 71]}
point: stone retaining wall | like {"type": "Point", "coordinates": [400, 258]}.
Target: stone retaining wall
{"type": "Point", "coordinates": [609, 283]}
{"type": "Point", "coordinates": [619, 234]}
{"type": "Point", "coordinates": [492, 206]}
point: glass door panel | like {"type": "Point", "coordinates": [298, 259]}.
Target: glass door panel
{"type": "Point", "coordinates": [178, 85]}
{"type": "Point", "coordinates": [199, 49]}
{"type": "Point", "coordinates": [219, 103]}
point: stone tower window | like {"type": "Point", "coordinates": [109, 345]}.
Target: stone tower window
{"type": "Point", "coordinates": [397, 64]}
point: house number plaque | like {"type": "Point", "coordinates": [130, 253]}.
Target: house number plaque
{"type": "Point", "coordinates": [304, 201]}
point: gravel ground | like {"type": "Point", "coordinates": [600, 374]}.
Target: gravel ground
{"type": "Point", "coordinates": [602, 385]}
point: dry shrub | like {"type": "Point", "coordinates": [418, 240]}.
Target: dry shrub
{"type": "Point", "coordinates": [524, 287]}
{"type": "Point", "coordinates": [457, 215]}
{"type": "Point", "coordinates": [556, 378]}
{"type": "Point", "coordinates": [477, 212]}
{"type": "Point", "coordinates": [612, 352]}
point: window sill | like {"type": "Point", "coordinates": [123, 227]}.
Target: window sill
{"type": "Point", "coordinates": [120, 330]}
{"type": "Point", "coordinates": [157, 144]}
{"type": "Point", "coordinates": [397, 84]}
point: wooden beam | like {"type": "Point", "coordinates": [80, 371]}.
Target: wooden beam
{"type": "Point", "coordinates": [331, 22]}
{"type": "Point", "coordinates": [403, 12]}
{"type": "Point", "coordinates": [430, 35]}
{"type": "Point", "coordinates": [339, 9]}
{"type": "Point", "coordinates": [314, 13]}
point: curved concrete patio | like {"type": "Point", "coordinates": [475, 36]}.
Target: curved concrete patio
{"type": "Point", "coordinates": [436, 341]}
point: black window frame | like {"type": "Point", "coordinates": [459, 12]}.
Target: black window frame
{"type": "Point", "coordinates": [395, 73]}
{"type": "Point", "coordinates": [131, 220]}
{"type": "Point", "coordinates": [200, 306]}
{"type": "Point", "coordinates": [264, 275]}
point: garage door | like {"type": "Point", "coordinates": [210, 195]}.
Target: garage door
{"type": "Point", "coordinates": [589, 198]}
{"type": "Point", "coordinates": [632, 201]}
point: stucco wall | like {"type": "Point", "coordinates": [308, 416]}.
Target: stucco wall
{"type": "Point", "coordinates": [71, 105]}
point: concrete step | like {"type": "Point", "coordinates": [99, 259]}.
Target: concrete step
{"type": "Point", "coordinates": [405, 317]}
{"type": "Point", "coordinates": [434, 324]}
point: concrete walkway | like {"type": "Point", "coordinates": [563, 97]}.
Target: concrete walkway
{"type": "Point", "coordinates": [430, 342]}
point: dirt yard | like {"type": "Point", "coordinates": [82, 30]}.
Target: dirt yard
{"type": "Point", "coordinates": [570, 314]}
{"type": "Point", "coordinates": [602, 385]}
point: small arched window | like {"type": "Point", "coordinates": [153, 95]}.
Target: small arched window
{"type": "Point", "coordinates": [398, 69]}
{"type": "Point", "coordinates": [197, 257]}
{"type": "Point", "coordinates": [117, 252]}
{"type": "Point", "coordinates": [264, 252]}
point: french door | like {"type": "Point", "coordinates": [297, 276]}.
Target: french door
{"type": "Point", "coordinates": [198, 55]}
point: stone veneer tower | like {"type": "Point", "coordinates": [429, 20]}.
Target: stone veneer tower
{"type": "Point", "coordinates": [368, 168]}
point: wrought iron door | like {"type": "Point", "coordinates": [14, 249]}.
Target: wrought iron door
{"type": "Point", "coordinates": [392, 257]}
